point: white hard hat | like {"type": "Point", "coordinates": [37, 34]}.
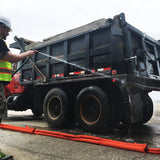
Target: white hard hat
{"type": "Point", "coordinates": [5, 21]}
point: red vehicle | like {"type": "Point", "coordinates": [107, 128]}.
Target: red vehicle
{"type": "Point", "coordinates": [15, 93]}
{"type": "Point", "coordinates": [14, 87]}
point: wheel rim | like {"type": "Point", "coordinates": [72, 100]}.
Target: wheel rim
{"type": "Point", "coordinates": [54, 107]}
{"type": "Point", "coordinates": [90, 109]}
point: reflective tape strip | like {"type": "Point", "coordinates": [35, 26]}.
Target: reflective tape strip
{"type": "Point", "coordinates": [93, 70]}
{"type": "Point", "coordinates": [82, 72]}
{"type": "Point", "coordinates": [104, 69]}
{"type": "Point", "coordinates": [78, 72]}
{"type": "Point", "coordinates": [5, 70]}
{"type": "Point", "coordinates": [58, 75]}
{"type": "Point", "coordinates": [3, 61]}
{"type": "Point", "coordinates": [5, 73]}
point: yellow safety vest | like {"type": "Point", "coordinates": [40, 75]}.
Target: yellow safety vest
{"type": "Point", "coordinates": [5, 70]}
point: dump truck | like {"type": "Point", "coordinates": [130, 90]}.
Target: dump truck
{"type": "Point", "coordinates": [96, 76]}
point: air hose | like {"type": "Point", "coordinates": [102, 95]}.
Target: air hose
{"type": "Point", "coordinates": [26, 60]}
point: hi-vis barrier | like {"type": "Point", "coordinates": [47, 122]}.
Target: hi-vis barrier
{"type": "Point", "coordinates": [85, 138]}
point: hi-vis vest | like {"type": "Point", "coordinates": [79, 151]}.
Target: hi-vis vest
{"type": "Point", "coordinates": [5, 70]}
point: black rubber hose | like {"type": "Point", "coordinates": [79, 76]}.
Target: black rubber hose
{"type": "Point", "coordinates": [26, 60]}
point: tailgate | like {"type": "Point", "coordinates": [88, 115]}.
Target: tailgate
{"type": "Point", "coordinates": [142, 56]}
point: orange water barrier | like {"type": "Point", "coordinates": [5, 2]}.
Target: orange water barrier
{"type": "Point", "coordinates": [85, 138]}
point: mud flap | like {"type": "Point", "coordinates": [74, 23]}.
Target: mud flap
{"type": "Point", "coordinates": [125, 111]}
{"type": "Point", "coordinates": [136, 105]}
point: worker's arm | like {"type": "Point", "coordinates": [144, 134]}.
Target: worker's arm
{"type": "Point", "coordinates": [12, 58]}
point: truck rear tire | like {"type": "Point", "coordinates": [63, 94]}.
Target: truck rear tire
{"type": "Point", "coordinates": [147, 108]}
{"type": "Point", "coordinates": [55, 108]}
{"type": "Point", "coordinates": [93, 111]}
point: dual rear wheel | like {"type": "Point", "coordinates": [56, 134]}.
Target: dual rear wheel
{"type": "Point", "coordinates": [92, 110]}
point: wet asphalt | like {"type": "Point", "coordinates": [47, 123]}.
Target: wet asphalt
{"type": "Point", "coordinates": [36, 147]}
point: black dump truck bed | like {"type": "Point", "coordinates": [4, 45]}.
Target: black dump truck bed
{"type": "Point", "coordinates": [98, 76]}
{"type": "Point", "coordinates": [110, 46]}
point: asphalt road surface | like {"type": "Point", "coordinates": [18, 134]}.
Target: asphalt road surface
{"type": "Point", "coordinates": [25, 146]}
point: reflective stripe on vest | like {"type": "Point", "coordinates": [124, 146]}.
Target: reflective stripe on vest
{"type": "Point", "coordinates": [5, 70]}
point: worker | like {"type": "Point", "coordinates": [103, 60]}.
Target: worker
{"type": "Point", "coordinates": [6, 59]}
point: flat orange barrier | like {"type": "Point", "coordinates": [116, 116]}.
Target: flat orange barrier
{"type": "Point", "coordinates": [85, 138]}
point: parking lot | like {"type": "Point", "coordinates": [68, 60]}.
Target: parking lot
{"type": "Point", "coordinates": [25, 146]}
